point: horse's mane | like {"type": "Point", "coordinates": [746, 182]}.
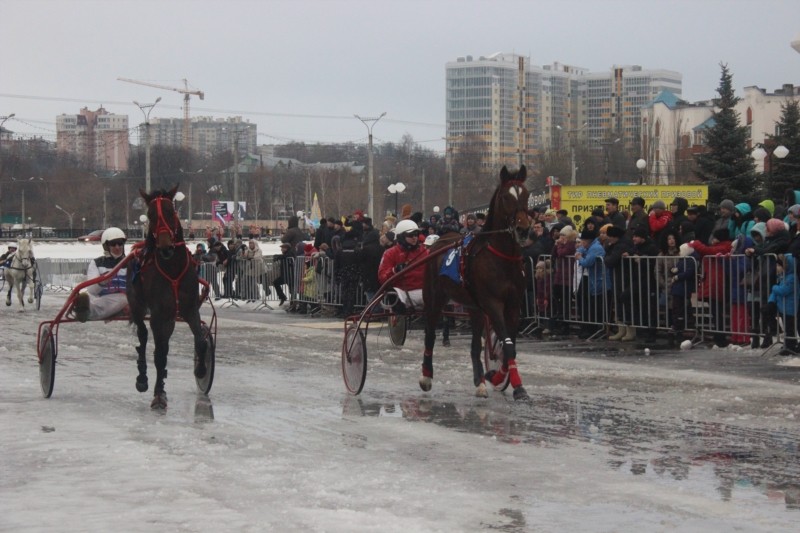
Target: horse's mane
{"type": "Point", "coordinates": [490, 214]}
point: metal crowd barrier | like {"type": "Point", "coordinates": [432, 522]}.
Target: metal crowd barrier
{"type": "Point", "coordinates": [736, 298]}
{"type": "Point", "coordinates": [61, 275]}
{"type": "Point", "coordinates": [721, 298]}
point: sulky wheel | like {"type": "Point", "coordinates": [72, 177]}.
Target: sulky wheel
{"type": "Point", "coordinates": [204, 383]}
{"type": "Point", "coordinates": [398, 328]}
{"type": "Point", "coordinates": [493, 353]}
{"type": "Point", "coordinates": [47, 361]}
{"type": "Point", "coordinates": [354, 360]}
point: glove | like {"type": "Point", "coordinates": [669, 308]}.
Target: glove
{"type": "Point", "coordinates": [674, 270]}
{"type": "Point", "coordinates": [674, 278]}
{"type": "Point", "coordinates": [399, 267]}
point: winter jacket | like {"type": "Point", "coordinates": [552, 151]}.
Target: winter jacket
{"type": "Point", "coordinates": [659, 222]}
{"type": "Point", "coordinates": [683, 279]}
{"type": "Point", "coordinates": [782, 293]}
{"type": "Point", "coordinates": [613, 261]}
{"type": "Point", "coordinates": [592, 260]}
{"type": "Point", "coordinates": [744, 222]}
{"type": "Point", "coordinates": [396, 255]}
{"type": "Point", "coordinates": [713, 285]}
{"type": "Point", "coordinates": [563, 263]}
{"type": "Point", "coordinates": [769, 205]}
{"type": "Point", "coordinates": [370, 258]}
{"type": "Point", "coordinates": [638, 219]}
{"type": "Point", "coordinates": [294, 235]}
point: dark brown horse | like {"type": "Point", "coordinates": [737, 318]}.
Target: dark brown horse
{"type": "Point", "coordinates": [162, 279]}
{"type": "Point", "coordinates": [493, 285]}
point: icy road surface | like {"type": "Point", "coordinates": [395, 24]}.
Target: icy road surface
{"type": "Point", "coordinates": [618, 442]}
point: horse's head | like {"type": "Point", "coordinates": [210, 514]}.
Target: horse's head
{"type": "Point", "coordinates": [25, 252]}
{"type": "Point", "coordinates": [510, 204]}
{"type": "Point", "coordinates": [164, 226]}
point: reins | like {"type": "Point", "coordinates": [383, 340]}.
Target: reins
{"type": "Point", "coordinates": [162, 226]}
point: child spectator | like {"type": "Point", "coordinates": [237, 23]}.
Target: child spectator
{"type": "Point", "coordinates": [782, 300]}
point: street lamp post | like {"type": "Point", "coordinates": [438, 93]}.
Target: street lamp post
{"type": "Point", "coordinates": [146, 109]}
{"type": "Point", "coordinates": [370, 123]}
{"type": "Point", "coordinates": [396, 189]}
{"type": "Point", "coordinates": [761, 152]}
{"type": "Point", "coordinates": [83, 220]}
{"type": "Point", "coordinates": [68, 215]}
{"type": "Point", "coordinates": [641, 164]}
{"type": "Point", "coordinates": [572, 167]}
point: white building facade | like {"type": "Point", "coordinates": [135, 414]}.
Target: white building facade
{"type": "Point", "coordinates": [208, 135]}
{"type": "Point", "coordinates": [673, 131]}
{"type": "Point", "coordinates": [511, 110]}
{"type": "Point", "coordinates": [98, 139]}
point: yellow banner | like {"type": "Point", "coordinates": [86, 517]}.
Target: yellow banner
{"type": "Point", "coordinates": [581, 200]}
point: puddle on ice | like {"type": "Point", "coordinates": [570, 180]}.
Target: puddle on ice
{"type": "Point", "coordinates": [741, 463]}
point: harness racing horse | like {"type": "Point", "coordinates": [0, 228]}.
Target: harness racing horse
{"type": "Point", "coordinates": [493, 284]}
{"type": "Point", "coordinates": [19, 274]}
{"type": "Point", "coordinates": [162, 279]}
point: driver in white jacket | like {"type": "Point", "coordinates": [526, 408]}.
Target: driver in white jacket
{"type": "Point", "coordinates": [106, 299]}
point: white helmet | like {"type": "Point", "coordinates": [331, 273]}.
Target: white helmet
{"type": "Point", "coordinates": [405, 226]}
{"type": "Point", "coordinates": [112, 234]}
{"type": "Point", "coordinates": [430, 239]}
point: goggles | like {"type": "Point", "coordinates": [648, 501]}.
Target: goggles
{"type": "Point", "coordinates": [116, 242]}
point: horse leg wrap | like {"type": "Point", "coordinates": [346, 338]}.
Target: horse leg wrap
{"type": "Point", "coordinates": [498, 377]}
{"type": "Point", "coordinates": [427, 364]}
{"type": "Point", "coordinates": [513, 374]}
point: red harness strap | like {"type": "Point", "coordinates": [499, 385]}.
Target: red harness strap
{"type": "Point", "coordinates": [501, 255]}
{"type": "Point", "coordinates": [176, 281]}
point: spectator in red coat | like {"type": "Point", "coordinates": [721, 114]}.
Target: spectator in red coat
{"type": "Point", "coordinates": [715, 286]}
{"type": "Point", "coordinates": [659, 219]}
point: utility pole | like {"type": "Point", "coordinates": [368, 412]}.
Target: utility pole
{"type": "Point", "coordinates": [370, 169]}
{"type": "Point", "coordinates": [423, 191]}
{"type": "Point", "coordinates": [235, 182]}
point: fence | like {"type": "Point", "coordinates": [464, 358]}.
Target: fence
{"type": "Point", "coordinates": [724, 298]}
{"type": "Point", "coordinates": [727, 298]}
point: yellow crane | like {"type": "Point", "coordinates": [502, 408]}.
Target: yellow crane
{"type": "Point", "coordinates": [186, 92]}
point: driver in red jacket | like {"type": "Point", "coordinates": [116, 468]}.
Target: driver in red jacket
{"type": "Point", "coordinates": [407, 291]}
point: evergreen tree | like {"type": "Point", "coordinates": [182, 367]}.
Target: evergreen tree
{"type": "Point", "coordinates": [786, 172]}
{"type": "Point", "coordinates": [727, 167]}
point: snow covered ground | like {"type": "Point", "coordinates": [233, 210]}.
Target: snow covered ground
{"type": "Point", "coordinates": [610, 441]}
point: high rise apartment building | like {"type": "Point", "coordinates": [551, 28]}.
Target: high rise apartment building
{"type": "Point", "coordinates": [208, 135]}
{"type": "Point", "coordinates": [98, 139]}
{"type": "Point", "coordinates": [511, 111]}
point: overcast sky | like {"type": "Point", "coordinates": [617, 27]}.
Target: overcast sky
{"type": "Point", "coordinates": [300, 69]}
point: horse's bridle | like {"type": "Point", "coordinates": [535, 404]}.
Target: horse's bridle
{"type": "Point", "coordinates": [162, 226]}
{"type": "Point", "coordinates": [515, 188]}
{"type": "Point", "coordinates": [22, 261]}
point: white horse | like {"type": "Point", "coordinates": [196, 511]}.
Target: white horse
{"type": "Point", "coordinates": [20, 273]}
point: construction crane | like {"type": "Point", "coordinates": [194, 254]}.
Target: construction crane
{"type": "Point", "coordinates": [186, 92]}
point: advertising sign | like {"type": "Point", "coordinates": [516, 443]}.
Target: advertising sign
{"type": "Point", "coordinates": [581, 200]}
{"type": "Point", "coordinates": [223, 211]}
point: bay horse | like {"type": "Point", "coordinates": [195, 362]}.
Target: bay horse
{"type": "Point", "coordinates": [493, 284]}
{"type": "Point", "coordinates": [162, 279]}
{"type": "Point", "coordinates": [19, 274]}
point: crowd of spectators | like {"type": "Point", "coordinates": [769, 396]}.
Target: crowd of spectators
{"type": "Point", "coordinates": [646, 270]}
{"type": "Point", "coordinates": [640, 269]}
